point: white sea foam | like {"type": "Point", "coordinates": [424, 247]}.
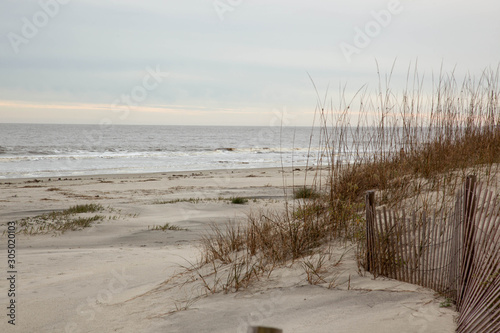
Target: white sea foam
{"type": "Point", "coordinates": [28, 150]}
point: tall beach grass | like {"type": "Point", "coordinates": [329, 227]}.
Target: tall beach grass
{"type": "Point", "coordinates": [413, 148]}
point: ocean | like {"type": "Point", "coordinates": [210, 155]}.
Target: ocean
{"type": "Point", "coordinates": [46, 150]}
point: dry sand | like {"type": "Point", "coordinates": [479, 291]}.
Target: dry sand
{"type": "Point", "coordinates": [110, 277]}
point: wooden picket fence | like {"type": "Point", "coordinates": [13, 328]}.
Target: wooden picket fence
{"type": "Point", "coordinates": [457, 256]}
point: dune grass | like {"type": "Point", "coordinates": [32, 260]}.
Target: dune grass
{"type": "Point", "coordinates": [70, 219]}
{"type": "Point", "coordinates": [413, 149]}
{"type": "Point", "coordinates": [305, 193]}
{"type": "Point", "coordinates": [167, 226]}
{"type": "Point", "coordinates": [87, 208]}
{"type": "Point", "coordinates": [190, 200]}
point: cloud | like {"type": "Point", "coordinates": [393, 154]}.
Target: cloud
{"type": "Point", "coordinates": [258, 57]}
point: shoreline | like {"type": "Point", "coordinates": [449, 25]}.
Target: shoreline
{"type": "Point", "coordinates": [152, 174]}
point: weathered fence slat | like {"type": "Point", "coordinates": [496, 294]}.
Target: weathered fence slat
{"type": "Point", "coordinates": [405, 267]}
{"type": "Point", "coordinates": [370, 234]}
{"type": "Point", "coordinates": [468, 236]}
{"type": "Point", "coordinates": [457, 254]}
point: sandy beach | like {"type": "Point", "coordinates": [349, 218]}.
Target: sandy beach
{"type": "Point", "coordinates": [122, 274]}
{"type": "Point", "coordinates": [220, 166]}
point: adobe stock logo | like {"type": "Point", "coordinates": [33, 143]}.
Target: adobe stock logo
{"type": "Point", "coordinates": [139, 93]}
{"type": "Point", "coordinates": [30, 28]}
{"type": "Point", "coordinates": [372, 29]}
{"type": "Point", "coordinates": [223, 6]}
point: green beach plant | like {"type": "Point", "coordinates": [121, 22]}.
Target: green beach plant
{"type": "Point", "coordinates": [239, 200]}
{"type": "Point", "coordinates": [305, 193]}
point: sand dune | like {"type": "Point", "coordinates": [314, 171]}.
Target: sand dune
{"type": "Point", "coordinates": [110, 277]}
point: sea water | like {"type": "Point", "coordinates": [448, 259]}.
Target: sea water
{"type": "Point", "coordinates": [47, 150]}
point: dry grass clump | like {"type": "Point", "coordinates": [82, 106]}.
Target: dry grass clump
{"type": "Point", "coordinates": [276, 237]}
{"type": "Point", "coordinates": [166, 226]}
{"type": "Point", "coordinates": [268, 240]}
{"type": "Point", "coordinates": [414, 152]}
{"type": "Point", "coordinates": [190, 200]}
{"type": "Point", "coordinates": [320, 267]}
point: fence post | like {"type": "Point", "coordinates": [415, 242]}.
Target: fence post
{"type": "Point", "coordinates": [262, 329]}
{"type": "Point", "coordinates": [468, 229]}
{"type": "Point", "coordinates": [370, 229]}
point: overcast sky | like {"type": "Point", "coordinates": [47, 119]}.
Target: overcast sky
{"type": "Point", "coordinates": [229, 62]}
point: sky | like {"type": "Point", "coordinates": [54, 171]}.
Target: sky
{"type": "Point", "coordinates": [224, 62]}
